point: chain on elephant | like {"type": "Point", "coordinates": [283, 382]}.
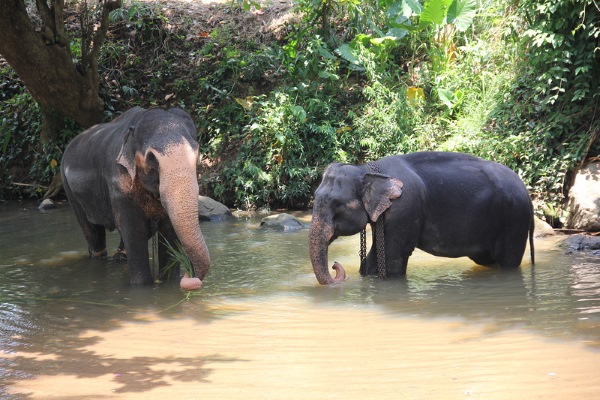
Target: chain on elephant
{"type": "Point", "coordinates": [379, 237]}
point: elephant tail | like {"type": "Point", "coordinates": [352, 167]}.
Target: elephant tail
{"type": "Point", "coordinates": [531, 249]}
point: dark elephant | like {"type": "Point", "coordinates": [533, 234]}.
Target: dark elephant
{"type": "Point", "coordinates": [138, 174]}
{"type": "Point", "coordinates": [447, 204]}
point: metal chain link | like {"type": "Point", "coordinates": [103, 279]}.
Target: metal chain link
{"type": "Point", "coordinates": [380, 246]}
{"type": "Point", "coordinates": [363, 246]}
{"type": "Point", "coordinates": [379, 237]}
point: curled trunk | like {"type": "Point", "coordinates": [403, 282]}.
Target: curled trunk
{"type": "Point", "coordinates": [188, 283]}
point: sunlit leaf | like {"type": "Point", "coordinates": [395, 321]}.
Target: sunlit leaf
{"type": "Point", "coordinates": [434, 11]}
{"type": "Point", "coordinates": [383, 40]}
{"type": "Point", "coordinates": [298, 112]}
{"type": "Point", "coordinates": [461, 13]}
{"type": "Point", "coordinates": [414, 6]}
{"type": "Point", "coordinates": [246, 103]}
{"type": "Point", "coordinates": [348, 53]}
{"type": "Point", "coordinates": [325, 53]}
{"type": "Point", "coordinates": [415, 93]}
{"type": "Point", "coordinates": [447, 97]}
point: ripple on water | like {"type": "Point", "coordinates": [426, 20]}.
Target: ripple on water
{"type": "Point", "coordinates": [261, 320]}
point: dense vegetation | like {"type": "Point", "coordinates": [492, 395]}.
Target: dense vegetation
{"type": "Point", "coordinates": [346, 81]}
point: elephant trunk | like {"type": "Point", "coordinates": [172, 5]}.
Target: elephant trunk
{"type": "Point", "coordinates": [179, 195]}
{"type": "Point", "coordinates": [320, 236]}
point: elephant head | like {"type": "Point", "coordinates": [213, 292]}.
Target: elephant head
{"type": "Point", "coordinates": [347, 199]}
{"type": "Point", "coordinates": [160, 154]}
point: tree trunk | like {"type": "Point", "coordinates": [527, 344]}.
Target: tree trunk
{"type": "Point", "coordinates": [52, 123]}
{"type": "Point", "coordinates": [43, 60]}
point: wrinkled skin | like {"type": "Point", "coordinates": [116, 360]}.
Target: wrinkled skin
{"type": "Point", "coordinates": [447, 204]}
{"type": "Point", "coordinates": [137, 174]}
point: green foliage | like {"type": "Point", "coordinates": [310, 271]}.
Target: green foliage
{"type": "Point", "coordinates": [246, 5]}
{"type": "Point", "coordinates": [563, 49]}
{"type": "Point", "coordinates": [26, 164]}
{"type": "Point", "coordinates": [354, 81]}
{"type": "Point", "coordinates": [278, 155]}
{"type": "Point", "coordinates": [528, 105]}
{"type": "Point", "coordinates": [556, 97]}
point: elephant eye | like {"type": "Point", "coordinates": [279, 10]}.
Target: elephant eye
{"type": "Point", "coordinates": [151, 161]}
{"type": "Point", "coordinates": [339, 211]}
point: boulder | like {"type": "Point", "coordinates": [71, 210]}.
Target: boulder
{"type": "Point", "coordinates": [282, 221]}
{"type": "Point", "coordinates": [584, 199]}
{"type": "Point", "coordinates": [582, 243]}
{"type": "Point", "coordinates": [212, 210]}
{"type": "Point", "coordinates": [542, 228]}
{"type": "Point", "coordinates": [47, 204]}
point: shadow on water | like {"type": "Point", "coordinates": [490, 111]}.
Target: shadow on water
{"type": "Point", "coordinates": [52, 295]}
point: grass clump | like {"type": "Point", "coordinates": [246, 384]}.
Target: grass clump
{"type": "Point", "coordinates": [178, 261]}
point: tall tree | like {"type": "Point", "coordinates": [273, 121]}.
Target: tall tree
{"type": "Point", "coordinates": [37, 47]}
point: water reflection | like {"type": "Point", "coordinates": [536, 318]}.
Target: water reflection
{"type": "Point", "coordinates": [52, 296]}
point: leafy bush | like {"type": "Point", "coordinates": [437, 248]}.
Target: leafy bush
{"type": "Point", "coordinates": [549, 116]}
{"type": "Point", "coordinates": [27, 165]}
{"type": "Point", "coordinates": [352, 82]}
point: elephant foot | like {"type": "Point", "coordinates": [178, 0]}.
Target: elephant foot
{"type": "Point", "coordinates": [188, 283]}
{"type": "Point", "coordinates": [120, 256]}
{"type": "Point", "coordinates": [368, 269]}
{"type": "Point", "coordinates": [98, 255]}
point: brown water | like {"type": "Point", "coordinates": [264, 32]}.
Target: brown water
{"type": "Point", "coordinates": [262, 328]}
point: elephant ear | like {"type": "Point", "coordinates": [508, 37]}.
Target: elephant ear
{"type": "Point", "coordinates": [126, 156]}
{"type": "Point", "coordinates": [379, 191]}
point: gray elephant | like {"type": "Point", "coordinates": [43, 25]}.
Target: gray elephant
{"type": "Point", "coordinates": [137, 174]}
{"type": "Point", "coordinates": [447, 204]}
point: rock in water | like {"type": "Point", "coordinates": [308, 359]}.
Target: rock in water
{"type": "Point", "coordinates": [584, 199]}
{"type": "Point", "coordinates": [282, 221]}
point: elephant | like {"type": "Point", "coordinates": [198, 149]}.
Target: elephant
{"type": "Point", "coordinates": [137, 174]}
{"type": "Point", "coordinates": [444, 203]}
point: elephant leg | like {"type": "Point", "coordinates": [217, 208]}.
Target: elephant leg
{"type": "Point", "coordinates": [396, 258]}
{"type": "Point", "coordinates": [508, 252]}
{"type": "Point", "coordinates": [95, 235]}
{"type": "Point", "coordinates": [134, 230]}
{"type": "Point", "coordinates": [368, 267]}
{"type": "Point", "coordinates": [483, 259]}
{"type": "Point", "coordinates": [96, 238]}
{"type": "Point", "coordinates": [396, 267]}
{"type": "Point", "coordinates": [399, 246]}
{"type": "Point", "coordinates": [121, 254]}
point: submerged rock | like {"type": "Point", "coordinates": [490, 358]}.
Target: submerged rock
{"type": "Point", "coordinates": [282, 221]}
{"type": "Point", "coordinates": [47, 204]}
{"type": "Point", "coordinates": [582, 243]}
{"type": "Point", "coordinates": [584, 199]}
{"type": "Point", "coordinates": [542, 229]}
{"type": "Point", "coordinates": [212, 210]}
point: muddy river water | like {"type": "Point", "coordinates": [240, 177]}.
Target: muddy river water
{"type": "Point", "coordinates": [262, 328]}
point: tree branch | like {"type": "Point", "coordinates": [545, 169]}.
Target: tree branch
{"type": "Point", "coordinates": [46, 15]}
{"type": "Point", "coordinates": [58, 7]}
{"type": "Point", "coordinates": [98, 40]}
